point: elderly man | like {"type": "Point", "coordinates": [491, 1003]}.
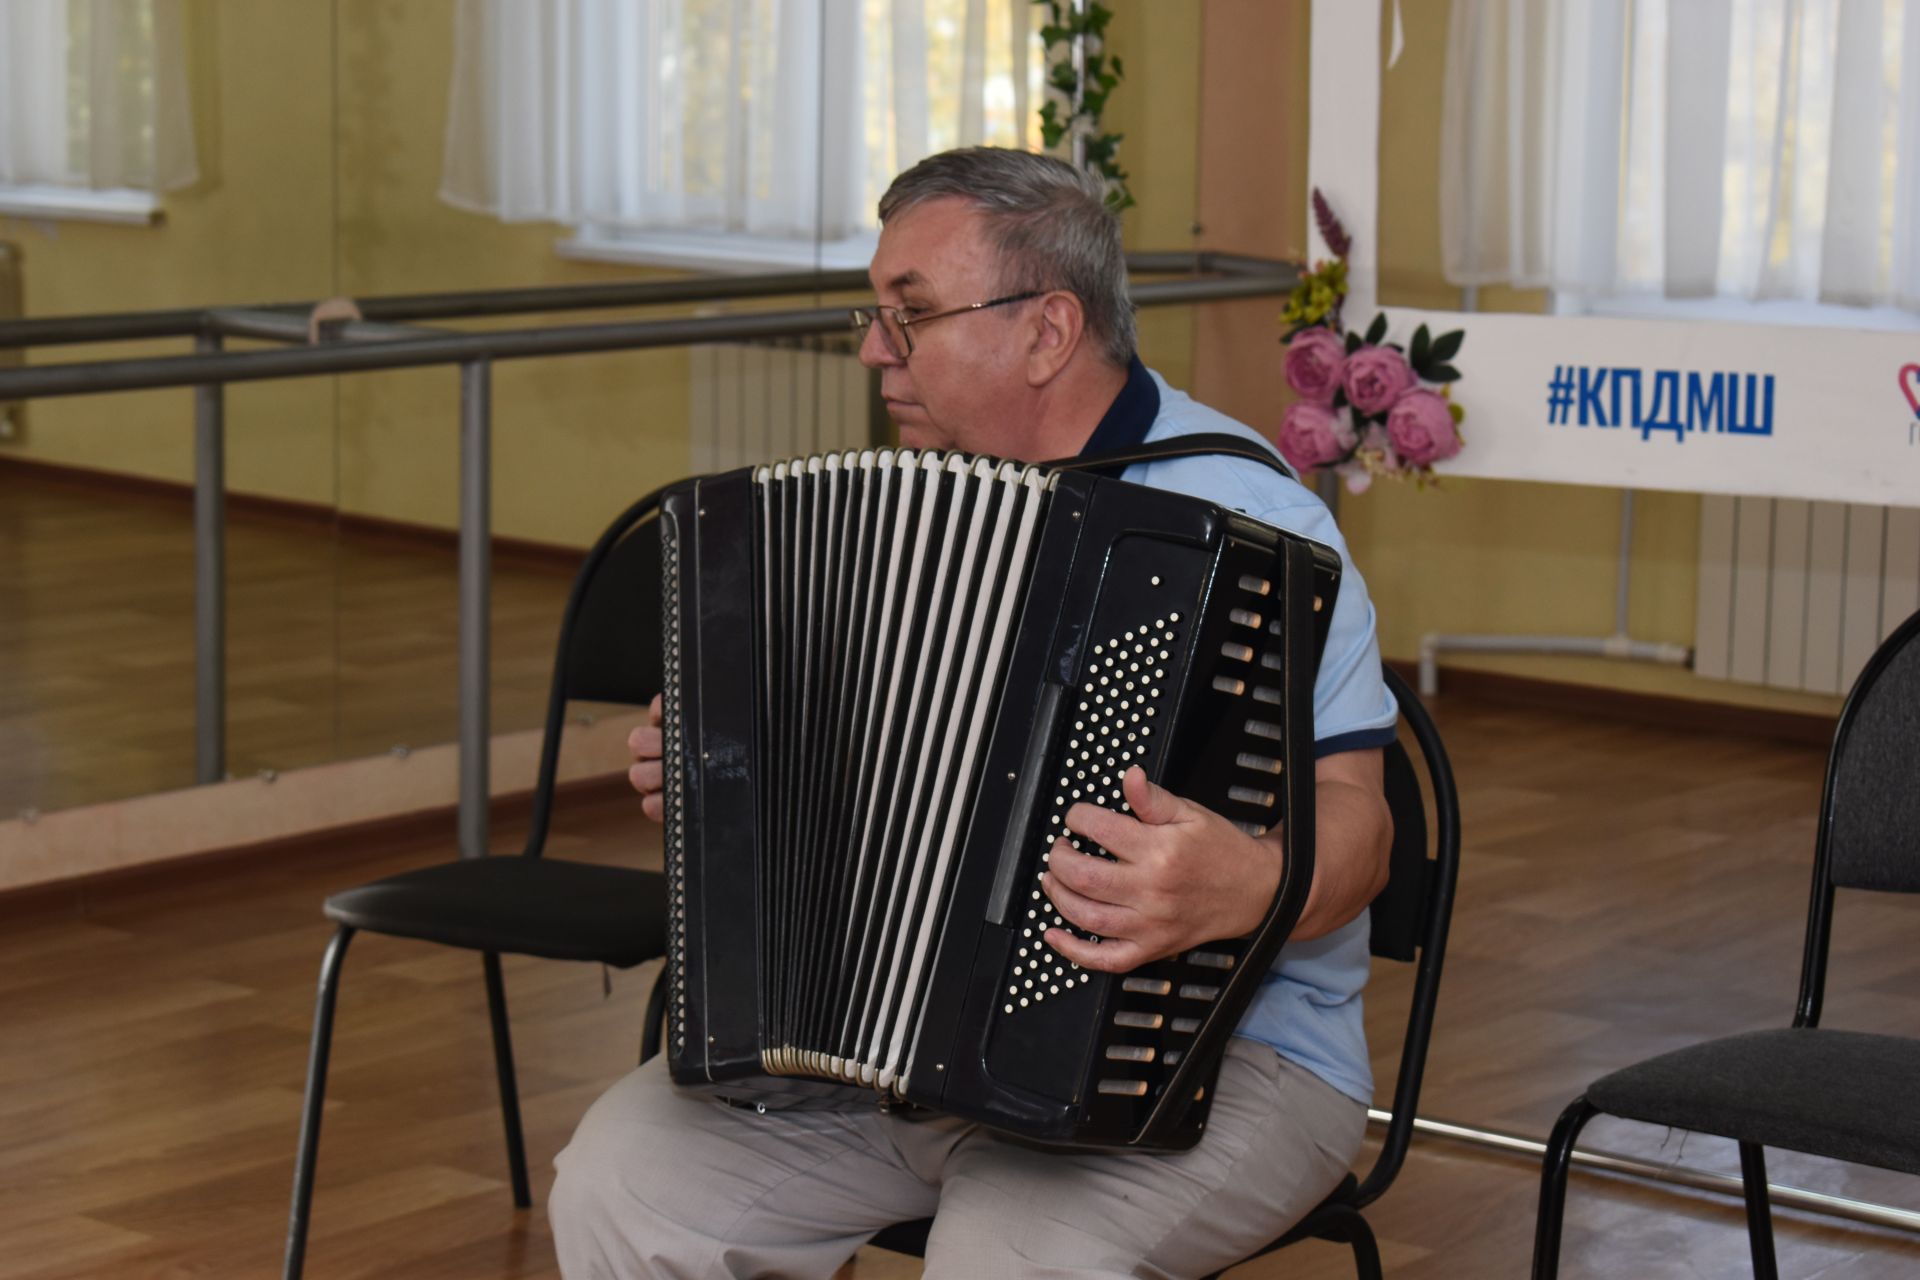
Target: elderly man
{"type": "Point", "coordinates": [1003, 327]}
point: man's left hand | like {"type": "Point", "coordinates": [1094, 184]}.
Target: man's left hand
{"type": "Point", "coordinates": [1182, 876]}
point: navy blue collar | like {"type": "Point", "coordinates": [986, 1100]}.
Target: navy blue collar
{"type": "Point", "coordinates": [1130, 415]}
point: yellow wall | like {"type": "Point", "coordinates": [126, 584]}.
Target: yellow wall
{"type": "Point", "coordinates": [1156, 111]}
{"type": "Point", "coordinates": [320, 130]}
{"type": "Point", "coordinates": [575, 438]}
{"type": "Point", "coordinates": [258, 226]}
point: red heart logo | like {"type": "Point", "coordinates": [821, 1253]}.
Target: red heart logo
{"type": "Point", "coordinates": [1910, 383]}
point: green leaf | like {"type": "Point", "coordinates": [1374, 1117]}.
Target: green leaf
{"type": "Point", "coordinates": [1445, 373]}
{"type": "Point", "coordinates": [1353, 343]}
{"type": "Point", "coordinates": [1455, 412]}
{"type": "Point", "coordinates": [1417, 353]}
{"type": "Point", "coordinates": [1447, 345]}
{"type": "Point", "coordinates": [1377, 330]}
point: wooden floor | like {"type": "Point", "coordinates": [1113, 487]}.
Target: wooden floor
{"type": "Point", "coordinates": [339, 643]}
{"type": "Point", "coordinates": [1624, 891]}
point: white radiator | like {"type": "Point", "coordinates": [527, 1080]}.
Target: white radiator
{"type": "Point", "coordinates": [758, 402]}
{"type": "Point", "coordinates": [1797, 595]}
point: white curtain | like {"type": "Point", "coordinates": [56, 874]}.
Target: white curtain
{"type": "Point", "coordinates": [1752, 149]}
{"type": "Point", "coordinates": [780, 118]}
{"type": "Point", "coordinates": [93, 95]}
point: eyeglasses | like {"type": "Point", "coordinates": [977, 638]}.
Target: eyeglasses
{"type": "Point", "coordinates": [896, 325]}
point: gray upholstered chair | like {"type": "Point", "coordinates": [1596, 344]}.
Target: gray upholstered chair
{"type": "Point", "coordinates": [1848, 1095]}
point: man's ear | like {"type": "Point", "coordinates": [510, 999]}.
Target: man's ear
{"type": "Point", "coordinates": [1062, 325]}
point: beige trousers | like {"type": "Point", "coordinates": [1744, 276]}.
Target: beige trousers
{"type": "Point", "coordinates": [670, 1185]}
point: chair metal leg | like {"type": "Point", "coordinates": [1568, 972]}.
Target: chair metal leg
{"type": "Point", "coordinates": [656, 1010]}
{"type": "Point", "coordinates": [1366, 1250]}
{"type": "Point", "coordinates": [1553, 1186]}
{"type": "Point", "coordinates": [309, 1149]}
{"type": "Point", "coordinates": [509, 1090]}
{"type": "Point", "coordinates": [1753, 1176]}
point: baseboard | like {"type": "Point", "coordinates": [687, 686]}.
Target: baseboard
{"type": "Point", "coordinates": [523, 552]}
{"type": "Point", "coordinates": [261, 815]}
{"type": "Point", "coordinates": [505, 813]}
{"type": "Point", "coordinates": [1656, 709]}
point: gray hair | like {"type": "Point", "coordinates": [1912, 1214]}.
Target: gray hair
{"type": "Point", "coordinates": [1050, 223]}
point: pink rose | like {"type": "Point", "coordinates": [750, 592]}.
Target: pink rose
{"type": "Point", "coordinates": [1421, 428]}
{"type": "Point", "coordinates": [1315, 359]}
{"type": "Point", "coordinates": [1375, 377]}
{"type": "Point", "coordinates": [1312, 435]}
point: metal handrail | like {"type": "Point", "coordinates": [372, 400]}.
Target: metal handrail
{"type": "Point", "coordinates": [546, 299]}
{"type": "Point", "coordinates": [389, 336]}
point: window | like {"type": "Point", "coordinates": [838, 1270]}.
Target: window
{"type": "Point", "coordinates": [1736, 158]}
{"type": "Point", "coordinates": [94, 113]}
{"type": "Point", "coordinates": [724, 132]}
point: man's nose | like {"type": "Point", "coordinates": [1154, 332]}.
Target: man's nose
{"type": "Point", "coordinates": [875, 351]}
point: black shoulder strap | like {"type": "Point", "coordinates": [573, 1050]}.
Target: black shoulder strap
{"type": "Point", "coordinates": [1198, 444]}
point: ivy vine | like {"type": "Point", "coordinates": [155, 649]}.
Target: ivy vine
{"type": "Point", "coordinates": [1058, 119]}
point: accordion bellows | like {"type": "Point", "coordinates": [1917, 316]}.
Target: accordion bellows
{"type": "Point", "coordinates": [888, 676]}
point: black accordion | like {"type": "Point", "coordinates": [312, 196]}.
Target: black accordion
{"type": "Point", "coordinates": [887, 677]}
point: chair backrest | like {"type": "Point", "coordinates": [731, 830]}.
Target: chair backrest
{"type": "Point", "coordinates": [612, 643]}
{"type": "Point", "coordinates": [609, 647]}
{"type": "Point", "coordinates": [1409, 919]}
{"type": "Point", "coordinates": [1869, 834]}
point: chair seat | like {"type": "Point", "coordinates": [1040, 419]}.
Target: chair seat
{"type": "Point", "coordinates": [1848, 1095]}
{"type": "Point", "coordinates": [526, 906]}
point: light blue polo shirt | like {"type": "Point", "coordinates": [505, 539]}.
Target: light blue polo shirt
{"type": "Point", "coordinates": [1308, 1009]}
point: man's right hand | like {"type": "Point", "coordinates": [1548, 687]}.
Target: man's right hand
{"type": "Point", "coordinates": [645, 773]}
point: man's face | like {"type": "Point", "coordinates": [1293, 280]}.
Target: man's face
{"type": "Point", "coordinates": [965, 385]}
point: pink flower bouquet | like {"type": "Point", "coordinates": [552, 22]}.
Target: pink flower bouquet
{"type": "Point", "coordinates": [1367, 407]}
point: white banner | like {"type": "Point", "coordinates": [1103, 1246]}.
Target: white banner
{"type": "Point", "coordinates": [1766, 410]}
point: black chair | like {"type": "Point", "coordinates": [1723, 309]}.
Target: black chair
{"type": "Point", "coordinates": [1409, 923]}
{"type": "Point", "coordinates": [526, 905]}
{"type": "Point", "coordinates": [1847, 1095]}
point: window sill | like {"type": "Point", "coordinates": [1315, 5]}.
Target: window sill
{"type": "Point", "coordinates": [714, 251]}
{"type": "Point", "coordinates": [1780, 311]}
{"type": "Point", "coordinates": [120, 205]}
